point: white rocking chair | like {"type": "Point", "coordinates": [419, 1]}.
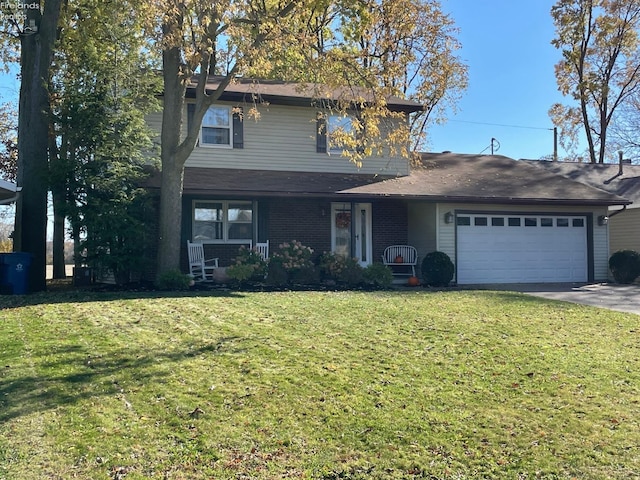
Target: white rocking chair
{"type": "Point", "coordinates": [263, 249]}
{"type": "Point", "coordinates": [199, 267]}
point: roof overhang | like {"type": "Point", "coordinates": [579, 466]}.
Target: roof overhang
{"type": "Point", "coordinates": [492, 179]}
{"type": "Point", "coordinates": [619, 179]}
{"type": "Point", "coordinates": [8, 192]}
{"type": "Point", "coordinates": [489, 200]}
{"type": "Point", "coordinates": [225, 182]}
{"type": "Point", "coordinates": [446, 186]}
{"type": "Point", "coordinates": [278, 92]}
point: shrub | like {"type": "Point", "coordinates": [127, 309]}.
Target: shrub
{"type": "Point", "coordinates": [378, 275]}
{"type": "Point", "coordinates": [241, 273]}
{"type": "Point", "coordinates": [276, 273]}
{"type": "Point", "coordinates": [625, 266]}
{"type": "Point", "coordinates": [174, 280]}
{"type": "Point", "coordinates": [291, 263]}
{"type": "Point", "coordinates": [331, 265]}
{"type": "Point", "coordinates": [437, 269]}
{"type": "Point", "coordinates": [340, 269]}
{"type": "Point", "coordinates": [352, 274]}
{"type": "Point", "coordinates": [307, 275]}
{"type": "Point", "coordinates": [249, 265]}
{"type": "Point", "coordinates": [293, 255]}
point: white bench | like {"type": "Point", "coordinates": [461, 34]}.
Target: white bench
{"type": "Point", "coordinates": [401, 255]}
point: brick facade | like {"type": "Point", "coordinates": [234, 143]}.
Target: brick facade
{"type": "Point", "coordinates": [305, 220]}
{"type": "Point", "coordinates": [308, 221]}
{"type": "Point", "coordinates": [389, 226]}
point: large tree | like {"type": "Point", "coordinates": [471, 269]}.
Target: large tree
{"type": "Point", "coordinates": [37, 41]}
{"type": "Point", "coordinates": [104, 85]}
{"type": "Point", "coordinates": [624, 131]}
{"type": "Point", "coordinates": [600, 67]}
{"type": "Point", "coordinates": [321, 42]}
{"type": "Point", "coordinates": [410, 47]}
{"type": "Point", "coordinates": [8, 141]}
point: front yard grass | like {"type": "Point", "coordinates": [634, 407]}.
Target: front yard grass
{"type": "Point", "coordinates": [318, 385]}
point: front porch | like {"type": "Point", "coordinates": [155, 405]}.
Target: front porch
{"type": "Point", "coordinates": [356, 229]}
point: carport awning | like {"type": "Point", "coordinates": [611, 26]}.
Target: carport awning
{"type": "Point", "coordinates": [8, 192]}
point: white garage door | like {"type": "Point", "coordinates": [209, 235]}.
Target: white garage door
{"type": "Point", "coordinates": [521, 248]}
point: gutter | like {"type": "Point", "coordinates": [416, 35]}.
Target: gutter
{"type": "Point", "coordinates": [8, 201]}
{"type": "Point", "coordinates": [616, 212]}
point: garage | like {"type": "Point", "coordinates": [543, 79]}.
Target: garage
{"type": "Point", "coordinates": [521, 248]}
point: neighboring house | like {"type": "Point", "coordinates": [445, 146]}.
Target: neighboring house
{"type": "Point", "coordinates": [277, 179]}
{"type": "Point", "coordinates": [621, 179]}
{"type": "Point", "coordinates": [8, 192]}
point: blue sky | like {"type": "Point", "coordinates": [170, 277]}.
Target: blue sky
{"type": "Point", "coordinates": [506, 45]}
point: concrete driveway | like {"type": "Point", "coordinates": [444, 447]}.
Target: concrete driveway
{"type": "Point", "coordinates": [623, 298]}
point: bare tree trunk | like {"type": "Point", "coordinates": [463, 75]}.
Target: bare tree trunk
{"type": "Point", "coordinates": [172, 164]}
{"type": "Point", "coordinates": [33, 138]}
{"type": "Point", "coordinates": [59, 268]}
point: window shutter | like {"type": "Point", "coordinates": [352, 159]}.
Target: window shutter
{"type": "Point", "coordinates": [321, 135]}
{"type": "Point", "coordinates": [238, 129]}
{"type": "Point", "coordinates": [191, 110]}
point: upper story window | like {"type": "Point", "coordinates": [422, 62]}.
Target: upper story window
{"type": "Point", "coordinates": [340, 133]}
{"type": "Point", "coordinates": [217, 127]}
{"type": "Point", "coordinates": [222, 221]}
{"type": "Point", "coordinates": [222, 126]}
{"type": "Point", "coordinates": [337, 133]}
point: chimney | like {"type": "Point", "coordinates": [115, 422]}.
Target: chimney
{"type": "Point", "coordinates": [621, 162]}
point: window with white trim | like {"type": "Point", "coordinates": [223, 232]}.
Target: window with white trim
{"type": "Point", "coordinates": [340, 133]}
{"type": "Point", "coordinates": [217, 127]}
{"type": "Point", "coordinates": [222, 221]}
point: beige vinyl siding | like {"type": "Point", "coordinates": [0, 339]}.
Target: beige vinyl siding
{"type": "Point", "coordinates": [624, 230]}
{"type": "Point", "coordinates": [422, 228]}
{"type": "Point", "coordinates": [154, 122]}
{"type": "Point", "coordinates": [282, 139]}
{"type": "Point", "coordinates": [446, 232]}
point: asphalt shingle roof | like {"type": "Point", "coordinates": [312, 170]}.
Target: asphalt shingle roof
{"type": "Point", "coordinates": [488, 178]}
{"type": "Point", "coordinates": [442, 177]}
{"type": "Point", "coordinates": [622, 181]}
{"type": "Point", "coordinates": [267, 183]}
{"type": "Point", "coordinates": [302, 94]}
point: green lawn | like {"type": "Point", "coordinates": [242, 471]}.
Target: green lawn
{"type": "Point", "coordinates": [322, 385]}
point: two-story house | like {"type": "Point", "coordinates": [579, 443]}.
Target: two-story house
{"type": "Point", "coordinates": [278, 178]}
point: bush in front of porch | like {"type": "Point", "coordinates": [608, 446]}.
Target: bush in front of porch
{"type": "Point", "coordinates": [292, 264]}
{"type": "Point", "coordinates": [249, 266]}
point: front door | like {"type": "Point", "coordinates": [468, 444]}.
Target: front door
{"type": "Point", "coordinates": [351, 231]}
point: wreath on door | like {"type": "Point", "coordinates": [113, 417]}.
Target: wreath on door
{"type": "Point", "coordinates": [343, 220]}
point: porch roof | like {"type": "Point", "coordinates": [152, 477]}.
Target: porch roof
{"type": "Point", "coordinates": [267, 183]}
{"type": "Point", "coordinates": [487, 179]}
{"type": "Point", "coordinates": [440, 178]}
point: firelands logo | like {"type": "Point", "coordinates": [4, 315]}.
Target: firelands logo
{"type": "Point", "coordinates": [16, 12]}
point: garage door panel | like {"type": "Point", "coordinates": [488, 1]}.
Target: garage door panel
{"type": "Point", "coordinates": [534, 249]}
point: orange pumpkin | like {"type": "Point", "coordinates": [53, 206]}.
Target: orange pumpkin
{"type": "Point", "coordinates": [413, 282]}
{"type": "Point", "coordinates": [399, 259]}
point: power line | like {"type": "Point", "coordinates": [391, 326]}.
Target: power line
{"type": "Point", "coordinates": [501, 125]}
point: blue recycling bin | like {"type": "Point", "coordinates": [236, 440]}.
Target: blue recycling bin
{"type": "Point", "coordinates": [14, 272]}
